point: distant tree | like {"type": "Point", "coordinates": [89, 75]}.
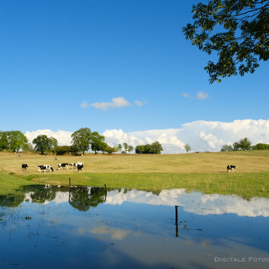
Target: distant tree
{"type": "Point", "coordinates": [13, 140]}
{"type": "Point", "coordinates": [97, 142]}
{"type": "Point", "coordinates": [226, 148]}
{"type": "Point", "coordinates": [81, 139]}
{"type": "Point", "coordinates": [53, 144]}
{"type": "Point", "coordinates": [74, 150]}
{"type": "Point", "coordinates": [62, 150]}
{"type": "Point", "coordinates": [42, 143]}
{"type": "Point", "coordinates": [29, 147]}
{"type": "Point", "coordinates": [243, 144]}
{"type": "Point", "coordinates": [119, 148]}
{"type": "Point", "coordinates": [260, 146]}
{"type": "Point", "coordinates": [110, 150]}
{"type": "Point", "coordinates": [125, 145]}
{"type": "Point", "coordinates": [127, 148]}
{"type": "Point", "coordinates": [243, 41]}
{"type": "Point", "coordinates": [130, 148]}
{"type": "Point", "coordinates": [154, 148]}
{"type": "Point", "coordinates": [3, 141]}
{"type": "Point", "coordinates": [140, 149]}
{"type": "Point", "coordinates": [187, 147]}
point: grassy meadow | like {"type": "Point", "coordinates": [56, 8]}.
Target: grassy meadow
{"type": "Point", "coordinates": [204, 172]}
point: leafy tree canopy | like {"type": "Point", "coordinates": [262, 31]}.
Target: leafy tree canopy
{"type": "Point", "coordinates": [260, 146]}
{"type": "Point", "coordinates": [154, 148]}
{"type": "Point", "coordinates": [127, 148]}
{"type": "Point", "coordinates": [243, 41]}
{"type": "Point", "coordinates": [243, 144]}
{"type": "Point", "coordinates": [98, 142]}
{"type": "Point", "coordinates": [226, 148]}
{"type": "Point", "coordinates": [81, 139]}
{"type": "Point", "coordinates": [187, 147]}
{"type": "Point", "coordinates": [13, 140]}
{"type": "Point", "coordinates": [119, 148]}
{"type": "Point", "coordinates": [43, 143]}
{"type": "Point", "coordinates": [61, 150]}
{"type": "Point", "coordinates": [3, 141]}
{"type": "Point", "coordinates": [130, 148]}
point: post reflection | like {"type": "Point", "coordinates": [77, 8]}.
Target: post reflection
{"type": "Point", "coordinates": [176, 220]}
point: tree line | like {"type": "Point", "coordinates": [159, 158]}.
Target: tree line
{"type": "Point", "coordinates": [244, 144]}
{"type": "Point", "coordinates": [82, 141]}
{"type": "Point", "coordinates": [154, 148]}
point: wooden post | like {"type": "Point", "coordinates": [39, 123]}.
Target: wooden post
{"type": "Point", "coordinates": [69, 188]}
{"type": "Point", "coordinates": [105, 192]}
{"type": "Point", "coordinates": [176, 221]}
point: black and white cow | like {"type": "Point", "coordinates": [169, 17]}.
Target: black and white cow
{"type": "Point", "coordinates": [24, 166]}
{"type": "Point", "coordinates": [73, 165]}
{"type": "Point", "coordinates": [62, 165]}
{"type": "Point", "coordinates": [79, 167]}
{"type": "Point", "coordinates": [231, 168]}
{"type": "Point", "coordinates": [45, 168]}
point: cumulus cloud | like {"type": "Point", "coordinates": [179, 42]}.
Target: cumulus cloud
{"type": "Point", "coordinates": [185, 94]}
{"type": "Point", "coordinates": [167, 138]}
{"type": "Point", "coordinates": [211, 141]}
{"type": "Point", "coordinates": [116, 102]}
{"type": "Point", "coordinates": [205, 203]}
{"type": "Point", "coordinates": [200, 135]}
{"type": "Point", "coordinates": [138, 103]}
{"type": "Point", "coordinates": [63, 137]}
{"type": "Point", "coordinates": [84, 104]}
{"type": "Point", "coordinates": [114, 233]}
{"type": "Point", "coordinates": [202, 95]}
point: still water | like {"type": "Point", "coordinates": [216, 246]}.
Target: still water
{"type": "Point", "coordinates": [89, 227]}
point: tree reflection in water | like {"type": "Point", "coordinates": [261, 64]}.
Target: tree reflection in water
{"type": "Point", "coordinates": [50, 228]}
{"type": "Point", "coordinates": [82, 198]}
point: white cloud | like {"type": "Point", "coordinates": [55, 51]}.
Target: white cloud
{"type": "Point", "coordinates": [116, 102]}
{"type": "Point", "coordinates": [202, 95]}
{"type": "Point", "coordinates": [205, 204]}
{"type": "Point", "coordinates": [84, 104]}
{"type": "Point", "coordinates": [138, 103]}
{"type": "Point", "coordinates": [211, 141]}
{"type": "Point", "coordinates": [63, 137]}
{"type": "Point", "coordinates": [167, 138]}
{"type": "Point", "coordinates": [114, 233]}
{"type": "Point", "coordinates": [200, 135]}
{"type": "Point", "coordinates": [185, 94]}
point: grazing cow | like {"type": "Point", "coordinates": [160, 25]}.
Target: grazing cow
{"type": "Point", "coordinates": [62, 165]}
{"type": "Point", "coordinates": [45, 168]}
{"type": "Point", "coordinates": [24, 166]}
{"type": "Point", "coordinates": [73, 164]}
{"type": "Point", "coordinates": [231, 168]}
{"type": "Point", "coordinates": [79, 167]}
{"type": "Point", "coordinates": [79, 163]}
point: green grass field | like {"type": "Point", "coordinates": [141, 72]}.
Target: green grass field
{"type": "Point", "coordinates": [205, 172]}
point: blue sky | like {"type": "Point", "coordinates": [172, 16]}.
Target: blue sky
{"type": "Point", "coordinates": [58, 55]}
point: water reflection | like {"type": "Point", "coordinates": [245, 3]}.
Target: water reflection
{"type": "Point", "coordinates": [93, 227]}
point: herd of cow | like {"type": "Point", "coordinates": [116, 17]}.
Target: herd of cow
{"type": "Point", "coordinates": [79, 165]}
{"type": "Point", "coordinates": [49, 168]}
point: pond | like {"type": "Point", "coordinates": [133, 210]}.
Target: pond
{"type": "Point", "coordinates": [90, 227]}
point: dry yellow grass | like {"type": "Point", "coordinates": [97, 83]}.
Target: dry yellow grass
{"type": "Point", "coordinates": [134, 163]}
